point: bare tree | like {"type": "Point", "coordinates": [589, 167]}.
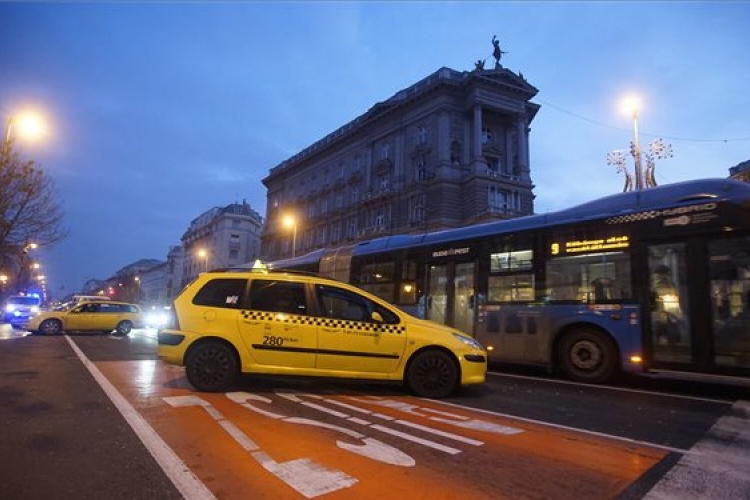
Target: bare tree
{"type": "Point", "coordinates": [30, 210]}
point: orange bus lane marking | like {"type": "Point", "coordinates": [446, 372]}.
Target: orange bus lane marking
{"type": "Point", "coordinates": [284, 445]}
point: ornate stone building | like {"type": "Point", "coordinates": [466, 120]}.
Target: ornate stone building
{"type": "Point", "coordinates": [448, 151]}
{"type": "Point", "coordinates": [220, 237]}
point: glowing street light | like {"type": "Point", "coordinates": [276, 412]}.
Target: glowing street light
{"type": "Point", "coordinates": [290, 222]}
{"type": "Point", "coordinates": [29, 125]}
{"type": "Point", "coordinates": [203, 254]}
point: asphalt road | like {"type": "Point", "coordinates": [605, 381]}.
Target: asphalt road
{"type": "Point", "coordinates": [95, 416]}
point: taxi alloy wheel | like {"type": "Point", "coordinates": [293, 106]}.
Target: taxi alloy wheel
{"type": "Point", "coordinates": [50, 327]}
{"type": "Point", "coordinates": [432, 374]}
{"type": "Point", "coordinates": [211, 366]}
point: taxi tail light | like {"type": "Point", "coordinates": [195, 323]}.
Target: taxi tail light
{"type": "Point", "coordinates": [172, 322]}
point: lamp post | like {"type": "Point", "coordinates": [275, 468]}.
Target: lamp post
{"type": "Point", "coordinates": [657, 149]}
{"type": "Point", "coordinates": [137, 289]}
{"type": "Point", "coordinates": [631, 104]}
{"type": "Point", "coordinates": [290, 222]}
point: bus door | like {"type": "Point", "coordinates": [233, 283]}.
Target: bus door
{"type": "Point", "coordinates": [450, 295]}
{"type": "Point", "coordinates": [700, 305]}
{"type": "Point", "coordinates": [436, 295]}
{"type": "Point", "coordinates": [729, 289]}
{"type": "Point", "coordinates": [464, 301]}
{"type": "Point", "coordinates": [670, 338]}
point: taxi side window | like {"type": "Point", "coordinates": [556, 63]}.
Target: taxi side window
{"type": "Point", "coordinates": [343, 304]}
{"type": "Point", "coordinates": [277, 296]}
{"type": "Point", "coordinates": [90, 308]}
{"type": "Point", "coordinates": [221, 292]}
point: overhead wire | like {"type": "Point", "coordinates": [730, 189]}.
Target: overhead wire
{"type": "Point", "coordinates": [606, 125]}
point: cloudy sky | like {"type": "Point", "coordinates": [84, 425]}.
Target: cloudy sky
{"type": "Point", "coordinates": [158, 111]}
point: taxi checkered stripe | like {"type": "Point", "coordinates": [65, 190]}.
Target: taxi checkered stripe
{"type": "Point", "coordinates": [322, 321]}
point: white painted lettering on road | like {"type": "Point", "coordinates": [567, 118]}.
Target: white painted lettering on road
{"type": "Point", "coordinates": [304, 475]}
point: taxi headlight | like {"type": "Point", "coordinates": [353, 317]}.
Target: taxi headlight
{"type": "Point", "coordinates": [469, 341]}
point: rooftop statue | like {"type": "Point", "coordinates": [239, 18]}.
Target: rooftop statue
{"type": "Point", "coordinates": [497, 53]}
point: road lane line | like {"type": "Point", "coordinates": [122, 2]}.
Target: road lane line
{"type": "Point", "coordinates": [175, 469]}
{"type": "Point", "coordinates": [611, 388]}
{"type": "Point", "coordinates": [568, 428]}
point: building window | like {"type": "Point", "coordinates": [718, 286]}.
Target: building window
{"type": "Point", "coordinates": [385, 151]}
{"type": "Point", "coordinates": [421, 168]}
{"type": "Point", "coordinates": [486, 135]}
{"type": "Point", "coordinates": [335, 232]}
{"type": "Point", "coordinates": [379, 218]}
{"type": "Point", "coordinates": [493, 164]}
{"type": "Point", "coordinates": [322, 235]}
{"type": "Point", "coordinates": [383, 182]}
{"type": "Point", "coordinates": [233, 254]}
{"type": "Point", "coordinates": [416, 208]}
{"type": "Point", "coordinates": [357, 164]}
{"type": "Point", "coordinates": [234, 240]}
{"type": "Point", "coordinates": [339, 201]}
{"type": "Point", "coordinates": [421, 135]}
{"type": "Point", "coordinates": [236, 223]}
{"type": "Point", "coordinates": [324, 206]}
{"type": "Point", "coordinates": [352, 231]}
{"type": "Point", "coordinates": [355, 194]}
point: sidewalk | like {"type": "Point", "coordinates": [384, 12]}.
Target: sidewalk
{"type": "Point", "coordinates": [717, 467]}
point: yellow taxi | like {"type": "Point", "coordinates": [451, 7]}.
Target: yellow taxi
{"type": "Point", "coordinates": [88, 316]}
{"type": "Point", "coordinates": [226, 323]}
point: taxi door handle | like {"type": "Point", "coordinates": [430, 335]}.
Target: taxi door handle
{"type": "Point", "coordinates": [330, 330]}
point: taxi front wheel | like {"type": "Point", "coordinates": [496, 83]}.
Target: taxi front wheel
{"type": "Point", "coordinates": [432, 374]}
{"type": "Point", "coordinates": [211, 366]}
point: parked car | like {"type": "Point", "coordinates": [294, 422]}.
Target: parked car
{"type": "Point", "coordinates": [88, 316]}
{"type": "Point", "coordinates": [229, 322]}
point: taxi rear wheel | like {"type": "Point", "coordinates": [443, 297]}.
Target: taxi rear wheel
{"type": "Point", "coordinates": [432, 374]}
{"type": "Point", "coordinates": [211, 366]}
{"type": "Point", "coordinates": [50, 327]}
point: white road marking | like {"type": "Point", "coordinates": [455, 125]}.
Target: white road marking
{"type": "Point", "coordinates": [304, 475]}
{"type": "Point", "coordinates": [372, 448]}
{"type": "Point", "coordinates": [175, 469]}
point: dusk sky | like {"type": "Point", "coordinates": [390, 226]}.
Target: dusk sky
{"type": "Point", "coordinates": [159, 111]}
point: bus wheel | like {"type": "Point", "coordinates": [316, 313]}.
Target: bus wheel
{"type": "Point", "coordinates": [432, 374]}
{"type": "Point", "coordinates": [211, 366]}
{"type": "Point", "coordinates": [587, 355]}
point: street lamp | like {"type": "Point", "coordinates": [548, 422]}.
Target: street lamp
{"type": "Point", "coordinates": [203, 254]}
{"type": "Point", "coordinates": [657, 149]}
{"type": "Point", "coordinates": [290, 222]}
{"type": "Point", "coordinates": [30, 124]}
{"type": "Point", "coordinates": [138, 289]}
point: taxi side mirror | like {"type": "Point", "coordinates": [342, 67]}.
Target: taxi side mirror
{"type": "Point", "coordinates": [376, 317]}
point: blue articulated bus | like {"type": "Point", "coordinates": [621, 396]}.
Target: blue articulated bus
{"type": "Point", "coordinates": [641, 281]}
